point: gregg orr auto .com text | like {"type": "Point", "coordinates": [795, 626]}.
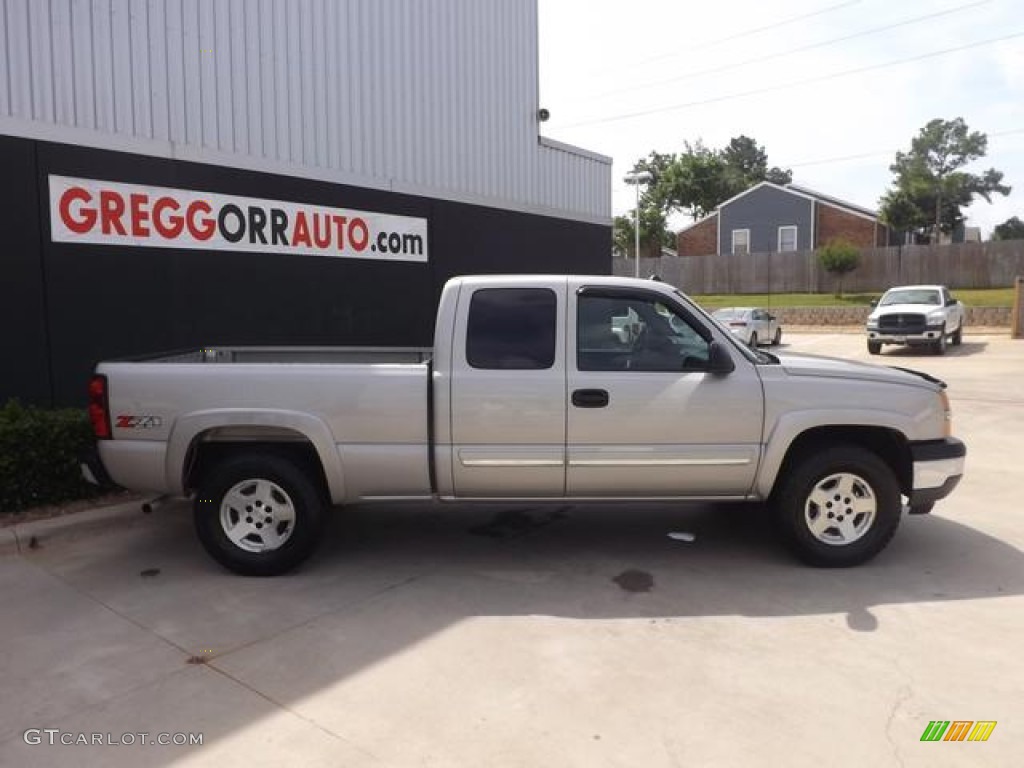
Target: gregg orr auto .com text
{"type": "Point", "coordinates": [100, 212]}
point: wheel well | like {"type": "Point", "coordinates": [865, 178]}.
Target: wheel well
{"type": "Point", "coordinates": [888, 444]}
{"type": "Point", "coordinates": [205, 454]}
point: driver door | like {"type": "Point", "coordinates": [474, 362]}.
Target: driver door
{"type": "Point", "coordinates": [650, 419]}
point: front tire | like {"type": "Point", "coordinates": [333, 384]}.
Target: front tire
{"type": "Point", "coordinates": [939, 345]}
{"type": "Point", "coordinates": [259, 514]}
{"type": "Point", "coordinates": [777, 338]}
{"type": "Point", "coordinates": [874, 347]}
{"type": "Point", "coordinates": [753, 340]}
{"type": "Point", "coordinates": [958, 336]}
{"type": "Point", "coordinates": [838, 507]}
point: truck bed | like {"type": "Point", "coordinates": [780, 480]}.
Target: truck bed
{"type": "Point", "coordinates": [367, 407]}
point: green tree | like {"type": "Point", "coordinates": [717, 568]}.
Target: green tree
{"type": "Point", "coordinates": [623, 235]}
{"type": "Point", "coordinates": [1011, 229]}
{"type": "Point", "coordinates": [747, 164]}
{"type": "Point", "coordinates": [838, 257]}
{"type": "Point", "coordinates": [654, 233]}
{"type": "Point", "coordinates": [696, 182]}
{"type": "Point", "coordinates": [931, 189]}
{"type": "Point", "coordinates": [654, 211]}
{"type": "Point", "coordinates": [699, 178]}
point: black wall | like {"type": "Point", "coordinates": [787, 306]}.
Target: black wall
{"type": "Point", "coordinates": [66, 306]}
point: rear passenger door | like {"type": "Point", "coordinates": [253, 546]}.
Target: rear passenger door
{"type": "Point", "coordinates": [508, 392]}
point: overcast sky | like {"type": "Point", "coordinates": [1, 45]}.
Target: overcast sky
{"type": "Point", "coordinates": [626, 78]}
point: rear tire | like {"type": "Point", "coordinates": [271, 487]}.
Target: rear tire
{"type": "Point", "coordinates": [777, 339]}
{"type": "Point", "coordinates": [874, 347]}
{"type": "Point", "coordinates": [259, 514]}
{"type": "Point", "coordinates": [838, 507]}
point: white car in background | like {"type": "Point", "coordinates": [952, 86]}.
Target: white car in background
{"type": "Point", "coordinates": [753, 325]}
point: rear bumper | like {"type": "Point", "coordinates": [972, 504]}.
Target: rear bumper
{"type": "Point", "coordinates": [93, 470]}
{"type": "Point", "coordinates": [938, 468]}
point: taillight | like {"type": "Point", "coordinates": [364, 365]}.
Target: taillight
{"type": "Point", "coordinates": [99, 409]}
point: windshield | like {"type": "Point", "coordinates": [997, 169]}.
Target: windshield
{"type": "Point", "coordinates": [911, 296]}
{"type": "Point", "coordinates": [729, 314]}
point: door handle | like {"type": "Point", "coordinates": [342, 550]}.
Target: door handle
{"type": "Point", "coordinates": [590, 398]}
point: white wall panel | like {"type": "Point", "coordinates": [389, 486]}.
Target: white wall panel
{"type": "Point", "coordinates": [103, 66]}
{"type": "Point", "coordinates": [431, 96]}
{"type": "Point", "coordinates": [19, 76]}
{"type": "Point", "coordinates": [63, 66]}
{"type": "Point", "coordinates": [141, 96]}
{"type": "Point", "coordinates": [174, 51]}
{"type": "Point", "coordinates": [82, 63]}
{"type": "Point", "coordinates": [41, 61]}
{"type": "Point", "coordinates": [121, 85]}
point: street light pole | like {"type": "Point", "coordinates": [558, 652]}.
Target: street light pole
{"type": "Point", "coordinates": [636, 179]}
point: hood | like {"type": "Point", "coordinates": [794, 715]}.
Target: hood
{"type": "Point", "coordinates": [836, 368]}
{"type": "Point", "coordinates": [901, 309]}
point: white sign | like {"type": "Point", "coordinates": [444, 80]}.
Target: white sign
{"type": "Point", "coordinates": [109, 213]}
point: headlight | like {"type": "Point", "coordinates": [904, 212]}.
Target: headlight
{"type": "Point", "coordinates": [934, 318]}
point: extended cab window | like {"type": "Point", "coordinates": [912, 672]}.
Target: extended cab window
{"type": "Point", "coordinates": [635, 334]}
{"type": "Point", "coordinates": [511, 329]}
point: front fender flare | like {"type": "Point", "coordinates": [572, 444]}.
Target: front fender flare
{"type": "Point", "coordinates": [789, 427]}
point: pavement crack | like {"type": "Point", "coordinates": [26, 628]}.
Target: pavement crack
{"type": "Point", "coordinates": [294, 713]}
{"type": "Point", "coordinates": [905, 693]}
{"type": "Point", "coordinates": [357, 603]}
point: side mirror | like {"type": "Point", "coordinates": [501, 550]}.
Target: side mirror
{"type": "Point", "coordinates": [950, 301]}
{"type": "Point", "coordinates": [719, 360]}
{"type": "Point", "coordinates": [874, 302]}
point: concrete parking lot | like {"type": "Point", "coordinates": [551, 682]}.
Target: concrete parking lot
{"type": "Point", "coordinates": [564, 636]}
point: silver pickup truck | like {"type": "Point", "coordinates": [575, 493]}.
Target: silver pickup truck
{"type": "Point", "coordinates": [546, 388]}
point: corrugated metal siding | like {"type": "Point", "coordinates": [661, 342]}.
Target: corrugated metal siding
{"type": "Point", "coordinates": [438, 95]}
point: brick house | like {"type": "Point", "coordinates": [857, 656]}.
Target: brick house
{"type": "Point", "coordinates": [770, 218]}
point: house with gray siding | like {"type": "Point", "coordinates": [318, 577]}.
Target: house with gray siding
{"type": "Point", "coordinates": [769, 218]}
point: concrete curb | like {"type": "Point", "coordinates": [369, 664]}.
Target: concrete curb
{"type": "Point", "coordinates": [15, 538]}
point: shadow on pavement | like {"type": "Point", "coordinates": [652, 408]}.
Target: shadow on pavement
{"type": "Point", "coordinates": [386, 579]}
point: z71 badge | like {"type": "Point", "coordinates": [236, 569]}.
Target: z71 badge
{"type": "Point", "coordinates": [127, 421]}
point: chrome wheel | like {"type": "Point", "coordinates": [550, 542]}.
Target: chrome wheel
{"type": "Point", "coordinates": [257, 515]}
{"type": "Point", "coordinates": [840, 509]}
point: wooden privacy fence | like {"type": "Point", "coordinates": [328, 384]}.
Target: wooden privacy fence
{"type": "Point", "coordinates": [961, 265]}
{"type": "Point", "coordinates": [1017, 321]}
